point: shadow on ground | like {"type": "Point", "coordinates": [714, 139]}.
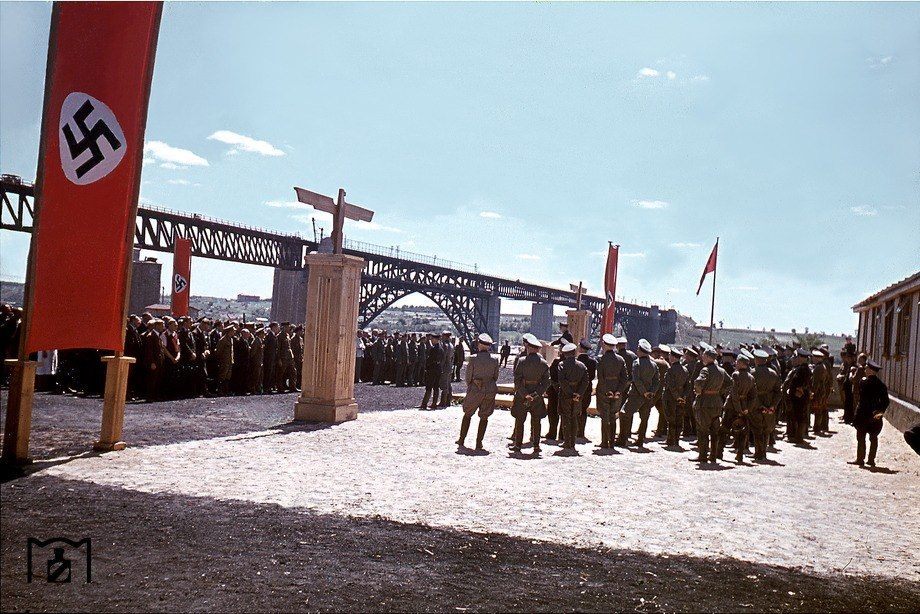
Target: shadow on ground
{"type": "Point", "coordinates": [162, 552]}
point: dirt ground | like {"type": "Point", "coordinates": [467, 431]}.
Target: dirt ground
{"type": "Point", "coordinates": [224, 504]}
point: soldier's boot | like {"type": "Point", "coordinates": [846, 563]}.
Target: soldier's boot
{"type": "Point", "coordinates": [481, 433]}
{"type": "Point", "coordinates": [464, 429]}
{"type": "Point", "coordinates": [518, 435]}
{"type": "Point", "coordinates": [605, 434]}
{"type": "Point", "coordinates": [535, 434]}
{"type": "Point", "coordinates": [434, 401]}
{"type": "Point", "coordinates": [424, 404]}
{"type": "Point", "coordinates": [873, 448]}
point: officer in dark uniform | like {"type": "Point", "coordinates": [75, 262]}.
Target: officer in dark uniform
{"type": "Point", "coordinates": [612, 383]}
{"type": "Point", "coordinates": [565, 337]}
{"type": "Point", "coordinates": [434, 358]}
{"type": "Point", "coordinates": [573, 387]}
{"type": "Point", "coordinates": [552, 401]}
{"type": "Point", "coordinates": [401, 360]}
{"type": "Point", "coordinates": [531, 379]}
{"type": "Point", "coordinates": [869, 418]}
{"type": "Point", "coordinates": [797, 390]}
{"type": "Point", "coordinates": [481, 388]}
{"type": "Point", "coordinates": [591, 365]}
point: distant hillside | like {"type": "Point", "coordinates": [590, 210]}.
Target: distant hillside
{"type": "Point", "coordinates": [690, 333]}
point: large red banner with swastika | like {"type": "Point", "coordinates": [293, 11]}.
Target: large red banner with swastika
{"type": "Point", "coordinates": [610, 288]}
{"type": "Point", "coordinates": [97, 86]}
{"type": "Point", "coordinates": [182, 276]}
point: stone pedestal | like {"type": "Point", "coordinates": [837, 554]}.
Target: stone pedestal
{"type": "Point", "coordinates": [327, 384]}
{"type": "Point", "coordinates": [113, 404]}
{"type": "Point", "coordinates": [578, 324]}
{"type": "Point", "coordinates": [19, 411]}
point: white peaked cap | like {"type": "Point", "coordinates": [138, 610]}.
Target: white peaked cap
{"type": "Point", "coordinates": [569, 347]}
{"type": "Point", "coordinates": [531, 340]}
{"type": "Point", "coordinates": [644, 345]}
{"type": "Point", "coordinates": [761, 354]}
{"type": "Point", "coordinates": [484, 338]}
{"type": "Point", "coordinates": [609, 339]}
{"type": "Point", "coordinates": [622, 340]}
{"type": "Point", "coordinates": [664, 348]}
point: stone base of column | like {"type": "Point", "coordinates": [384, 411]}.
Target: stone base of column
{"type": "Point", "coordinates": [317, 411]}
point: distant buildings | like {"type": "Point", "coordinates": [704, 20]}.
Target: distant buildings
{"type": "Point", "coordinates": [247, 298]}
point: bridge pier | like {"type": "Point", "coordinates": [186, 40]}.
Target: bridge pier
{"type": "Point", "coordinates": [492, 310]}
{"type": "Point", "coordinates": [541, 321]}
{"type": "Point", "coordinates": [289, 296]}
{"type": "Point", "coordinates": [654, 325]}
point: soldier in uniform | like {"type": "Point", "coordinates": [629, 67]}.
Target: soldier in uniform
{"type": "Point", "coordinates": [202, 352]}
{"type": "Point", "coordinates": [225, 359]}
{"type": "Point", "coordinates": [421, 359]}
{"type": "Point", "coordinates": [873, 401]}
{"type": "Point", "coordinates": [565, 336]}
{"type": "Point", "coordinates": [848, 361]}
{"type": "Point", "coordinates": [694, 366]}
{"type": "Point", "coordinates": [459, 358]}
{"type": "Point", "coordinates": [660, 356]}
{"type": "Point", "coordinates": [762, 418]}
{"type": "Point", "coordinates": [239, 378]}
{"type": "Point", "coordinates": [284, 375]}
{"type": "Point", "coordinates": [434, 358]}
{"type": "Point", "coordinates": [738, 405]}
{"type": "Point", "coordinates": [797, 389]}
{"type": "Point", "coordinates": [573, 386]}
{"type": "Point", "coordinates": [154, 356]}
{"type": "Point", "coordinates": [412, 351]}
{"type": "Point", "coordinates": [447, 368]}
{"type": "Point", "coordinates": [270, 357]}
{"type": "Point", "coordinates": [505, 353]}
{"type": "Point", "coordinates": [644, 385]}
{"type": "Point", "coordinates": [612, 383]}
{"type": "Point", "coordinates": [819, 391]}
{"type": "Point", "coordinates": [531, 379]}
{"type": "Point", "coordinates": [676, 390]}
{"type": "Point", "coordinates": [400, 359]}
{"type": "Point", "coordinates": [629, 357]}
{"type": "Point", "coordinates": [707, 405]}
{"type": "Point", "coordinates": [481, 388]}
{"type": "Point", "coordinates": [134, 345]}
{"type": "Point", "coordinates": [378, 352]}
{"type": "Point", "coordinates": [256, 358]}
{"type": "Point", "coordinates": [297, 351]}
{"type": "Point", "coordinates": [591, 365]}
{"type": "Point", "coordinates": [552, 402]}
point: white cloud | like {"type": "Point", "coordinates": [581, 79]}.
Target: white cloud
{"type": "Point", "coordinates": [648, 72]}
{"type": "Point", "coordinates": [287, 204]}
{"type": "Point", "coordinates": [699, 78]}
{"type": "Point", "coordinates": [490, 215]}
{"type": "Point", "coordinates": [877, 62]}
{"type": "Point", "coordinates": [684, 244]}
{"type": "Point", "coordinates": [632, 254]}
{"type": "Point", "coordinates": [864, 211]}
{"type": "Point", "coordinates": [245, 143]}
{"type": "Point", "coordinates": [179, 181]}
{"type": "Point", "coordinates": [671, 75]}
{"type": "Point", "coordinates": [650, 204]}
{"type": "Point", "coordinates": [528, 257]}
{"type": "Point", "coordinates": [171, 157]}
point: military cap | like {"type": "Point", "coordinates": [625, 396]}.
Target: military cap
{"type": "Point", "coordinates": [609, 339]}
{"type": "Point", "coordinates": [802, 352]}
{"type": "Point", "coordinates": [761, 354]}
{"type": "Point", "coordinates": [569, 347]}
{"type": "Point", "coordinates": [728, 352]}
{"type": "Point", "coordinates": [744, 358]}
{"type": "Point", "coordinates": [484, 339]}
{"type": "Point", "coordinates": [746, 354]}
{"type": "Point", "coordinates": [432, 335]}
{"type": "Point", "coordinates": [531, 340]}
{"type": "Point", "coordinates": [770, 351]}
{"type": "Point", "coordinates": [691, 351]}
{"type": "Point", "coordinates": [818, 353]}
{"type": "Point", "coordinates": [585, 344]}
{"type": "Point", "coordinates": [563, 324]}
{"type": "Point", "coordinates": [663, 348]}
{"type": "Point", "coordinates": [824, 351]}
{"type": "Point", "coordinates": [711, 352]}
{"type": "Point", "coordinates": [705, 346]}
{"type": "Point", "coordinates": [644, 345]}
{"type": "Point", "coordinates": [676, 352]}
{"type": "Point", "coordinates": [622, 340]}
{"type": "Point", "coordinates": [445, 333]}
{"type": "Point", "coordinates": [285, 324]}
{"type": "Point", "coordinates": [871, 364]}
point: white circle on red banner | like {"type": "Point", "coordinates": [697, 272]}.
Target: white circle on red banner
{"type": "Point", "coordinates": [179, 283]}
{"type": "Point", "coordinates": [90, 139]}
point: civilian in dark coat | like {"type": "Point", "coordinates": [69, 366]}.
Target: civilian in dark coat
{"type": "Point", "coordinates": [869, 418]}
{"type": "Point", "coordinates": [433, 360]}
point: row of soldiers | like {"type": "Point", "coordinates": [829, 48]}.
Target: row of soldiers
{"type": "Point", "coordinates": [712, 392]}
{"type": "Point", "coordinates": [182, 358]}
{"type": "Point", "coordinates": [411, 359]}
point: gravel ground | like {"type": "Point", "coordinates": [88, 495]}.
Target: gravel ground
{"type": "Point", "coordinates": [223, 503]}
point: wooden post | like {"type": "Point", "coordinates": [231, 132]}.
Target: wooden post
{"type": "Point", "coordinates": [19, 411]}
{"type": "Point", "coordinates": [113, 406]}
{"type": "Point", "coordinates": [578, 324]}
{"type": "Point", "coordinates": [327, 382]}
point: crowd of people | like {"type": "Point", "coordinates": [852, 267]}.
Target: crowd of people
{"type": "Point", "coordinates": [720, 396]}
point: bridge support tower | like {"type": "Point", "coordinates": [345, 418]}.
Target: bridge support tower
{"type": "Point", "coordinates": [541, 321]}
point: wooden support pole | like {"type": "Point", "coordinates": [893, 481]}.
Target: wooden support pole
{"type": "Point", "coordinates": [19, 411]}
{"type": "Point", "coordinates": [113, 405]}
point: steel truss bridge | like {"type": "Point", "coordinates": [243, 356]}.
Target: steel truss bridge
{"type": "Point", "coordinates": [470, 299]}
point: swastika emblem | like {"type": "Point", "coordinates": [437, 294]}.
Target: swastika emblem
{"type": "Point", "coordinates": [179, 283]}
{"type": "Point", "coordinates": [90, 139]}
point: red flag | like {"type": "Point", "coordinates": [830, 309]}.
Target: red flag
{"type": "Point", "coordinates": [97, 87]}
{"type": "Point", "coordinates": [182, 276]}
{"type": "Point", "coordinates": [610, 288]}
{"type": "Point", "coordinates": [710, 266]}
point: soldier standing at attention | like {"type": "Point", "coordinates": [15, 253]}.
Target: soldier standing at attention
{"type": "Point", "coordinates": [401, 358]}
{"type": "Point", "coordinates": [738, 406]}
{"type": "Point", "coordinates": [256, 356]}
{"type": "Point", "coordinates": [285, 365]}
{"type": "Point", "coordinates": [154, 356]}
{"type": "Point", "coordinates": [591, 365]}
{"type": "Point", "coordinates": [819, 391]}
{"type": "Point", "coordinates": [694, 366]}
{"type": "Point", "coordinates": [421, 359]}
{"type": "Point", "coordinates": [481, 388]}
{"type": "Point", "coordinates": [628, 356]}
{"type": "Point", "coordinates": [573, 386]}
{"type": "Point", "coordinates": [660, 355]}
{"type": "Point", "coordinates": [676, 389]}
{"type": "Point", "coordinates": [505, 353]}
{"type": "Point", "coordinates": [447, 368]}
{"type": "Point", "coordinates": [763, 417]}
{"type": "Point", "coordinates": [433, 360]}
{"type": "Point", "coordinates": [412, 350]}
{"type": "Point", "coordinates": [612, 383]}
{"type": "Point", "coordinates": [531, 379]}
{"type": "Point", "coordinates": [845, 386]}
{"type": "Point", "coordinates": [856, 376]}
{"type": "Point", "coordinates": [797, 388]}
{"type": "Point", "coordinates": [225, 359]}
{"type": "Point", "coordinates": [459, 358]}
{"type": "Point", "coordinates": [202, 351]}
{"type": "Point", "coordinates": [873, 401]}
{"type": "Point", "coordinates": [378, 353]}
{"type": "Point", "coordinates": [707, 406]}
{"type": "Point", "coordinates": [552, 401]}
{"type": "Point", "coordinates": [644, 385]}
{"type": "Point", "coordinates": [269, 355]}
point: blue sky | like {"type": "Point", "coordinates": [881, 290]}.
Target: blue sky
{"type": "Point", "coordinates": [523, 137]}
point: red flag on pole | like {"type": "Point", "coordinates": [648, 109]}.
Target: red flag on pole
{"type": "Point", "coordinates": [710, 266]}
{"type": "Point", "coordinates": [182, 276]}
{"type": "Point", "coordinates": [100, 64]}
{"type": "Point", "coordinates": [610, 288]}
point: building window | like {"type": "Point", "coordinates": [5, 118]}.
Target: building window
{"type": "Point", "coordinates": [888, 317]}
{"type": "Point", "coordinates": [903, 314]}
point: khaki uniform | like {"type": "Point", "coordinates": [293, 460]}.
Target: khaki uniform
{"type": "Point", "coordinates": [693, 369]}
{"type": "Point", "coordinates": [763, 417]}
{"type": "Point", "coordinates": [531, 377]}
{"type": "Point", "coordinates": [481, 388]}
{"type": "Point", "coordinates": [663, 367]}
{"type": "Point", "coordinates": [644, 380]}
{"type": "Point", "coordinates": [707, 407]}
{"type": "Point", "coordinates": [573, 386]}
{"type": "Point", "coordinates": [224, 363]}
{"type": "Point", "coordinates": [674, 400]}
{"type": "Point", "coordinates": [738, 406]}
{"type": "Point", "coordinates": [820, 382]}
{"type": "Point", "coordinates": [611, 378]}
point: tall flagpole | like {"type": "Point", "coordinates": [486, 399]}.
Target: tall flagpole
{"type": "Point", "coordinates": [712, 312]}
